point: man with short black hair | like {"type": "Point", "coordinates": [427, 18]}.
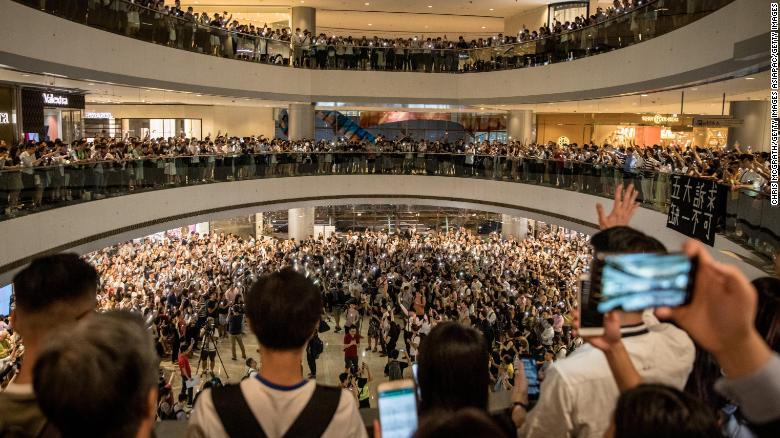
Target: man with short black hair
{"type": "Point", "coordinates": [100, 378]}
{"type": "Point", "coordinates": [283, 309]}
{"type": "Point", "coordinates": [661, 352]}
{"type": "Point", "coordinates": [50, 293]}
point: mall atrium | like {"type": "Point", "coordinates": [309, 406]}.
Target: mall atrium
{"type": "Point", "coordinates": [389, 218]}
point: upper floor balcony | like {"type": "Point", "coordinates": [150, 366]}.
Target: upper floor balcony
{"type": "Point", "coordinates": [123, 43]}
{"type": "Point", "coordinates": [89, 204]}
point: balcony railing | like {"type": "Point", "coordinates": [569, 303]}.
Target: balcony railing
{"type": "Point", "coordinates": [750, 220]}
{"type": "Point", "coordinates": [655, 18]}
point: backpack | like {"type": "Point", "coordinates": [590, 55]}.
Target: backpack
{"type": "Point", "coordinates": [394, 370]}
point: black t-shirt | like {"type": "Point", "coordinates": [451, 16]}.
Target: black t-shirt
{"type": "Point", "coordinates": [212, 304]}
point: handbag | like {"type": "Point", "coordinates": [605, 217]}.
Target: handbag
{"type": "Point", "coordinates": [324, 327]}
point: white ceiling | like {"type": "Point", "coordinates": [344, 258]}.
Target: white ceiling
{"type": "Point", "coordinates": [704, 99]}
{"type": "Point", "coordinates": [381, 17]}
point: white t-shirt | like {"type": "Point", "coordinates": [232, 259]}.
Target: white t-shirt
{"type": "Point", "coordinates": [276, 409]}
{"type": "Point", "coordinates": [578, 393]}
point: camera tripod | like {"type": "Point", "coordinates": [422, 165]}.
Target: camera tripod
{"type": "Point", "coordinates": [208, 336]}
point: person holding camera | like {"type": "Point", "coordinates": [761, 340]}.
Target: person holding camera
{"type": "Point", "coordinates": [236, 327]}
{"type": "Point", "coordinates": [209, 337]}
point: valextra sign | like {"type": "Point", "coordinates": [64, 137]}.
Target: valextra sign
{"type": "Point", "coordinates": [53, 99]}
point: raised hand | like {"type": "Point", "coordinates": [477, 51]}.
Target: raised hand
{"type": "Point", "coordinates": [623, 208]}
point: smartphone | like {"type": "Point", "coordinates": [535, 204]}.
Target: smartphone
{"type": "Point", "coordinates": [531, 374]}
{"type": "Point", "coordinates": [632, 283]}
{"type": "Point", "coordinates": [6, 299]}
{"type": "Point", "coordinates": [397, 408]}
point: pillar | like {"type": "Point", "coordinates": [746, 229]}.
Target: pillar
{"type": "Point", "coordinates": [754, 132]}
{"type": "Point", "coordinates": [300, 223]}
{"type": "Point", "coordinates": [300, 121]}
{"type": "Point", "coordinates": [303, 18]}
{"type": "Point", "coordinates": [516, 227]}
{"type": "Point", "coordinates": [259, 226]}
{"type": "Point", "coordinates": [521, 126]}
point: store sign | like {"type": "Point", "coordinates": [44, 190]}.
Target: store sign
{"type": "Point", "coordinates": [54, 99]}
{"type": "Point", "coordinates": [5, 119]}
{"type": "Point", "coordinates": [717, 122]}
{"type": "Point", "coordinates": [659, 119]}
{"type": "Point", "coordinates": [94, 115]}
{"type": "Point", "coordinates": [696, 207]}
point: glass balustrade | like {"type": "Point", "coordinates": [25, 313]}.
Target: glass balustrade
{"type": "Point", "coordinates": [749, 220]}
{"type": "Point", "coordinates": [123, 17]}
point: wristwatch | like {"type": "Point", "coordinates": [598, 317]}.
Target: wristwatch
{"type": "Point", "coordinates": [521, 404]}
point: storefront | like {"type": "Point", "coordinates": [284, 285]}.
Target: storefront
{"type": "Point", "coordinates": [52, 114]}
{"type": "Point", "coordinates": [628, 129]}
{"type": "Point", "coordinates": [7, 115]}
{"type": "Point", "coordinates": [99, 124]}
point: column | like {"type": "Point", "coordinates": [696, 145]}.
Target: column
{"type": "Point", "coordinates": [259, 226]}
{"type": "Point", "coordinates": [300, 121]}
{"type": "Point", "coordinates": [521, 126]}
{"type": "Point", "coordinates": [303, 18]}
{"type": "Point", "coordinates": [516, 227]}
{"type": "Point", "coordinates": [754, 132]}
{"type": "Point", "coordinates": [300, 223]}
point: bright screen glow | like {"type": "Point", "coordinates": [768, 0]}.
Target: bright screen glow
{"type": "Point", "coordinates": [634, 282]}
{"type": "Point", "coordinates": [5, 299]}
{"type": "Point", "coordinates": [398, 413]}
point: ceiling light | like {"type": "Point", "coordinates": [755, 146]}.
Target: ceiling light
{"type": "Point", "coordinates": [366, 3]}
{"type": "Point", "coordinates": [199, 95]}
{"type": "Point", "coordinates": [483, 27]}
{"type": "Point", "coordinates": [694, 89]}
{"type": "Point", "coordinates": [643, 95]}
{"type": "Point", "coordinates": [749, 79]}
{"type": "Point", "coordinates": [492, 9]}
{"type": "Point", "coordinates": [430, 6]}
{"type": "Point", "coordinates": [370, 24]}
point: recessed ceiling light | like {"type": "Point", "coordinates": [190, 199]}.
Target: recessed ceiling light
{"type": "Point", "coordinates": [370, 24]}
{"type": "Point", "coordinates": [492, 9]}
{"type": "Point", "coordinates": [694, 89]}
{"type": "Point", "coordinates": [430, 6]}
{"type": "Point", "coordinates": [483, 27]}
{"type": "Point", "coordinates": [749, 79]}
{"type": "Point", "coordinates": [643, 95]}
{"type": "Point", "coordinates": [199, 95]}
{"type": "Point", "coordinates": [25, 75]}
{"type": "Point", "coordinates": [366, 3]}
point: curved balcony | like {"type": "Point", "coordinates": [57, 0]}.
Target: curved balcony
{"type": "Point", "coordinates": [120, 201]}
{"type": "Point", "coordinates": [124, 17]}
{"type": "Point", "coordinates": [719, 39]}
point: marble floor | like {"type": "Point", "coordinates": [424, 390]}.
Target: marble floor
{"type": "Point", "coordinates": [329, 365]}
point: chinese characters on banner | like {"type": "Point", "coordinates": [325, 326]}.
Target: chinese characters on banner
{"type": "Point", "coordinates": [696, 207]}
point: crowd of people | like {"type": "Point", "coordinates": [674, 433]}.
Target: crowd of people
{"type": "Point", "coordinates": [50, 172]}
{"type": "Point", "coordinates": [221, 35]}
{"type": "Point", "coordinates": [470, 309]}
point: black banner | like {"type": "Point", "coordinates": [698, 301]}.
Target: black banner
{"type": "Point", "coordinates": [697, 207]}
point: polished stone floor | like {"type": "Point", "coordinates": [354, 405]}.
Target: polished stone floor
{"type": "Point", "coordinates": [329, 365]}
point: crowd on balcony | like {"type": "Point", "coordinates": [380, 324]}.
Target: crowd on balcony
{"type": "Point", "coordinates": [35, 174]}
{"type": "Point", "coordinates": [468, 311]}
{"type": "Point", "coordinates": [221, 35]}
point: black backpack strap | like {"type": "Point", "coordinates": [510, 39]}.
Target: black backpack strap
{"type": "Point", "coordinates": [317, 414]}
{"type": "Point", "coordinates": [234, 413]}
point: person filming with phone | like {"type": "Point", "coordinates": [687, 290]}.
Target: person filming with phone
{"type": "Point", "coordinates": [577, 391]}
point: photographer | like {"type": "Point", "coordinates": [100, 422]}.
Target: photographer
{"type": "Point", "coordinates": [236, 327]}
{"type": "Point", "coordinates": [208, 339]}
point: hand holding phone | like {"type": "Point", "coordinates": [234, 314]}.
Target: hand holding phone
{"type": "Point", "coordinates": [632, 283]}
{"type": "Point", "coordinates": [397, 408]}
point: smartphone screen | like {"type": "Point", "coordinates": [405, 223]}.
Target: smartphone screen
{"type": "Point", "coordinates": [6, 294]}
{"type": "Point", "coordinates": [529, 365]}
{"type": "Point", "coordinates": [398, 412]}
{"type": "Point", "coordinates": [634, 282]}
